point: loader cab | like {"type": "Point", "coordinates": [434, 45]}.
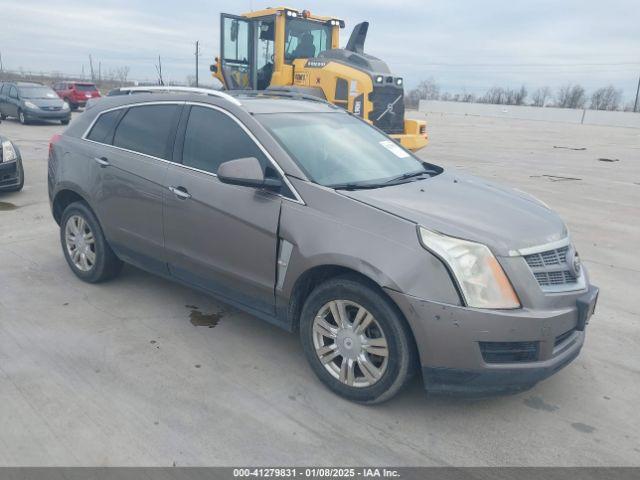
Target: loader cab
{"type": "Point", "coordinates": [258, 48]}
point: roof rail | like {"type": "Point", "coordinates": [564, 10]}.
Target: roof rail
{"type": "Point", "coordinates": [203, 91]}
{"type": "Point", "coordinates": [283, 93]}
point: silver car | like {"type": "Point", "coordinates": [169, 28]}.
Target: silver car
{"type": "Point", "coordinates": [311, 219]}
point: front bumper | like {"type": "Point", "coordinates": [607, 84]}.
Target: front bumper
{"type": "Point", "coordinates": [47, 115]}
{"type": "Point", "coordinates": [452, 343]}
{"type": "Point", "coordinates": [9, 176]}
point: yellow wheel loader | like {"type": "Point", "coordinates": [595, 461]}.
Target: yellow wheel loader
{"type": "Point", "coordinates": [287, 49]}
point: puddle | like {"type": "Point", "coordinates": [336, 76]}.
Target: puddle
{"type": "Point", "coordinates": [583, 427]}
{"type": "Point", "coordinates": [538, 403]}
{"type": "Point", "coordinates": [199, 319]}
{"type": "Point", "coordinates": [6, 206]}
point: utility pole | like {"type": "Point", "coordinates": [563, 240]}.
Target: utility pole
{"type": "Point", "coordinates": [197, 55]}
{"type": "Point", "coordinates": [635, 105]}
{"type": "Point", "coordinates": [99, 71]}
{"type": "Point", "coordinates": [1, 66]}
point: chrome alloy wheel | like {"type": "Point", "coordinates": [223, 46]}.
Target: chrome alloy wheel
{"type": "Point", "coordinates": [350, 343]}
{"type": "Point", "coordinates": [80, 243]}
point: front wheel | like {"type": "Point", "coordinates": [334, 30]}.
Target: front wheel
{"type": "Point", "coordinates": [22, 118]}
{"type": "Point", "coordinates": [85, 248]}
{"type": "Point", "coordinates": [356, 340]}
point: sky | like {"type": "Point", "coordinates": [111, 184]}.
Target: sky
{"type": "Point", "coordinates": [464, 45]}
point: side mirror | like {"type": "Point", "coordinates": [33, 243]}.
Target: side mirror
{"type": "Point", "coordinates": [246, 172]}
{"type": "Point", "coordinates": [213, 68]}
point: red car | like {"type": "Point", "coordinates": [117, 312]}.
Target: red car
{"type": "Point", "coordinates": [76, 94]}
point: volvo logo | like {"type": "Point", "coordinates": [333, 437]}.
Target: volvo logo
{"type": "Point", "coordinates": [573, 262]}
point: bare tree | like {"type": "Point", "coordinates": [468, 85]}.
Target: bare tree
{"type": "Point", "coordinates": [121, 75]}
{"type": "Point", "coordinates": [426, 90]}
{"type": "Point", "coordinates": [191, 81]}
{"type": "Point", "coordinates": [606, 98]}
{"type": "Point", "coordinates": [571, 96]}
{"type": "Point", "coordinates": [504, 96]}
{"type": "Point", "coordinates": [540, 96]}
{"type": "Point", "coordinates": [93, 76]}
{"type": "Point", "coordinates": [159, 71]}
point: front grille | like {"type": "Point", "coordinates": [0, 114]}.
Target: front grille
{"type": "Point", "coordinates": [509, 352]}
{"type": "Point", "coordinates": [51, 109]}
{"type": "Point", "coordinates": [548, 258]}
{"type": "Point", "coordinates": [388, 108]}
{"type": "Point", "coordinates": [550, 268]}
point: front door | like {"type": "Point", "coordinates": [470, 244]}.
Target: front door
{"type": "Point", "coordinates": [237, 52]}
{"type": "Point", "coordinates": [220, 237]}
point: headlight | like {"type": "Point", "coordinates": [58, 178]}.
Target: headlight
{"type": "Point", "coordinates": [8, 152]}
{"type": "Point", "coordinates": [31, 105]}
{"type": "Point", "coordinates": [65, 106]}
{"type": "Point", "coordinates": [479, 275]}
{"type": "Point", "coordinates": [379, 78]}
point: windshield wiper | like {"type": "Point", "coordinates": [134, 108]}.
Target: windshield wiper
{"type": "Point", "coordinates": [356, 186]}
{"type": "Point", "coordinates": [405, 176]}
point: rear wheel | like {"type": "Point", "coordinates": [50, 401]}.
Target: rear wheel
{"type": "Point", "coordinates": [356, 340]}
{"type": "Point", "coordinates": [85, 248]}
{"type": "Point", "coordinates": [65, 122]}
{"type": "Point", "coordinates": [3, 116]}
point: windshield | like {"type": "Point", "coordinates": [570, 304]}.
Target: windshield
{"type": "Point", "coordinates": [37, 92]}
{"type": "Point", "coordinates": [305, 39]}
{"type": "Point", "coordinates": [340, 151]}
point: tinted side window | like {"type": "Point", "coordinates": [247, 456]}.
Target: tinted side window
{"type": "Point", "coordinates": [147, 129]}
{"type": "Point", "coordinates": [102, 130]}
{"type": "Point", "coordinates": [13, 93]}
{"type": "Point", "coordinates": [213, 138]}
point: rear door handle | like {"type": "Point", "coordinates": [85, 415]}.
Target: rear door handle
{"type": "Point", "coordinates": [102, 161]}
{"type": "Point", "coordinates": [180, 192]}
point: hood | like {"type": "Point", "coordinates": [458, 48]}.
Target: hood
{"type": "Point", "coordinates": [468, 207]}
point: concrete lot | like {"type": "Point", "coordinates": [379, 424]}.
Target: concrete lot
{"type": "Point", "coordinates": [121, 373]}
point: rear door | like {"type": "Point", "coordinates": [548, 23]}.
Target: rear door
{"type": "Point", "coordinates": [237, 53]}
{"type": "Point", "coordinates": [131, 182]}
{"type": "Point", "coordinates": [220, 237]}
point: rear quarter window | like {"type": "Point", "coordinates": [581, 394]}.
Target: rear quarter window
{"type": "Point", "coordinates": [102, 130]}
{"type": "Point", "coordinates": [148, 129]}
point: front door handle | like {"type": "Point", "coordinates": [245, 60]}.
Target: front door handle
{"type": "Point", "coordinates": [180, 192]}
{"type": "Point", "coordinates": [102, 161]}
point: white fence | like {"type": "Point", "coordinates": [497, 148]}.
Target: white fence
{"type": "Point", "coordinates": [549, 114]}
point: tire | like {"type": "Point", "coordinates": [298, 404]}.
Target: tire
{"type": "Point", "coordinates": [391, 372]}
{"type": "Point", "coordinates": [22, 118]}
{"type": "Point", "coordinates": [20, 184]}
{"type": "Point", "coordinates": [3, 116]}
{"type": "Point", "coordinates": [103, 265]}
{"type": "Point", "coordinates": [64, 122]}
